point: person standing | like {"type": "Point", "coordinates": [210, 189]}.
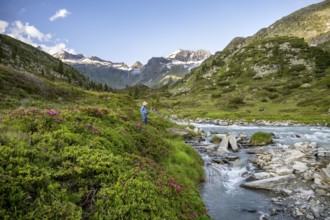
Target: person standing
{"type": "Point", "coordinates": [144, 112]}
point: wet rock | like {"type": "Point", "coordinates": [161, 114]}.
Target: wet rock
{"type": "Point", "coordinates": [224, 144]}
{"type": "Point", "coordinates": [323, 153]}
{"type": "Point", "coordinates": [320, 192]}
{"type": "Point", "coordinates": [250, 152]}
{"type": "Point", "coordinates": [283, 171]}
{"type": "Point", "coordinates": [231, 157]}
{"type": "Point", "coordinates": [233, 142]}
{"type": "Point", "coordinates": [308, 175]}
{"type": "Point", "coordinates": [261, 175]}
{"type": "Point", "coordinates": [292, 155]}
{"type": "Point", "coordinates": [248, 210]}
{"type": "Point", "coordinates": [179, 131]}
{"type": "Point", "coordinates": [286, 192]}
{"type": "Point", "coordinates": [220, 160]}
{"type": "Point", "coordinates": [316, 212]}
{"type": "Point", "coordinates": [308, 216]}
{"type": "Point", "coordinates": [325, 173]}
{"type": "Point", "coordinates": [272, 183]}
{"type": "Point", "coordinates": [299, 166]}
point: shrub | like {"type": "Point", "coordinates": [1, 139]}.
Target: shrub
{"type": "Point", "coordinates": [215, 139]}
{"type": "Point", "coordinates": [216, 95]}
{"type": "Point", "coordinates": [273, 95]}
{"type": "Point", "coordinates": [236, 101]}
{"type": "Point", "coordinates": [297, 68]}
{"type": "Point", "coordinates": [261, 138]}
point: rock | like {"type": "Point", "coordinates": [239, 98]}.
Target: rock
{"type": "Point", "coordinates": [308, 216]}
{"type": "Point", "coordinates": [323, 153]}
{"type": "Point", "coordinates": [250, 152]}
{"type": "Point", "coordinates": [233, 142]}
{"type": "Point", "coordinates": [283, 171]}
{"type": "Point", "coordinates": [320, 192]}
{"type": "Point", "coordinates": [179, 131]}
{"type": "Point", "coordinates": [287, 192]}
{"type": "Point", "coordinates": [196, 130]}
{"type": "Point", "coordinates": [272, 183]}
{"type": "Point", "coordinates": [266, 158]}
{"type": "Point", "coordinates": [292, 155]}
{"type": "Point", "coordinates": [316, 212]}
{"type": "Point", "coordinates": [232, 157]}
{"type": "Point", "coordinates": [305, 85]}
{"type": "Point", "coordinates": [325, 173]}
{"type": "Point", "coordinates": [308, 175]}
{"type": "Point", "coordinates": [299, 166]}
{"type": "Point", "coordinates": [218, 160]}
{"type": "Point", "coordinates": [224, 144]}
{"type": "Point", "coordinates": [261, 175]}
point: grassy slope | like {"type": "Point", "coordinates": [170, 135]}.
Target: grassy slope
{"type": "Point", "coordinates": [225, 86]}
{"type": "Point", "coordinates": [70, 153]}
{"type": "Point", "coordinates": [310, 23]}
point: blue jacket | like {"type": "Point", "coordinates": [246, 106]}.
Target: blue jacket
{"type": "Point", "coordinates": [144, 110]}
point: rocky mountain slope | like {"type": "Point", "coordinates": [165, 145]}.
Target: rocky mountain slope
{"type": "Point", "coordinates": [156, 72]}
{"type": "Point", "coordinates": [265, 75]}
{"type": "Point", "coordinates": [311, 23]}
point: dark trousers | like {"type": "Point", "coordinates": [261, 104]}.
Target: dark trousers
{"type": "Point", "coordinates": [145, 119]}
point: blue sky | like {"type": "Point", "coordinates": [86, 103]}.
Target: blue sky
{"type": "Point", "coordinates": [131, 30]}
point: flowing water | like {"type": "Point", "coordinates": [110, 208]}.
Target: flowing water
{"type": "Point", "coordinates": [222, 194]}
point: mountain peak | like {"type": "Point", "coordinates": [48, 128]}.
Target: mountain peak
{"type": "Point", "coordinates": [64, 55]}
{"type": "Point", "coordinates": [137, 65]}
{"type": "Point", "coordinates": [188, 55]}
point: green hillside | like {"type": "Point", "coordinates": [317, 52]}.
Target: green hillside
{"type": "Point", "coordinates": [310, 23]}
{"type": "Point", "coordinates": [274, 78]}
{"type": "Point", "coordinates": [70, 153]}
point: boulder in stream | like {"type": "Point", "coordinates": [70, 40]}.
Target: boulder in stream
{"type": "Point", "coordinates": [233, 142]}
{"type": "Point", "coordinates": [224, 144]}
{"type": "Point", "coordinates": [273, 183]}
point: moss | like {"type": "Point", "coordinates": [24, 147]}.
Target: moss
{"type": "Point", "coordinates": [215, 139]}
{"type": "Point", "coordinates": [261, 138]}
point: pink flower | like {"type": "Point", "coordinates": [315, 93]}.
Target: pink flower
{"type": "Point", "coordinates": [57, 119]}
{"type": "Point", "coordinates": [51, 112]}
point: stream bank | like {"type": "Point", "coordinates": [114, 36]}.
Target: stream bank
{"type": "Point", "coordinates": [288, 179]}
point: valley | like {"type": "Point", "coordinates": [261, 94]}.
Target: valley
{"type": "Point", "coordinates": [73, 146]}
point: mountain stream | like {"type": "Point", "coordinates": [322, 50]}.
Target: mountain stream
{"type": "Point", "coordinates": [222, 194]}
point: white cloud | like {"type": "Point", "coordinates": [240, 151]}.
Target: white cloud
{"type": "Point", "coordinates": [31, 35]}
{"type": "Point", "coordinates": [3, 26]}
{"type": "Point", "coordinates": [62, 13]}
{"type": "Point", "coordinates": [27, 32]}
{"type": "Point", "coordinates": [56, 48]}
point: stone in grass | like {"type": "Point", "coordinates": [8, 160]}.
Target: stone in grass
{"type": "Point", "coordinates": [261, 138]}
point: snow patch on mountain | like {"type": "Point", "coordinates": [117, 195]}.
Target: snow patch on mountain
{"type": "Point", "coordinates": [81, 59]}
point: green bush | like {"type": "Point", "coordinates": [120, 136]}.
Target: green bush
{"type": "Point", "coordinates": [85, 163]}
{"type": "Point", "coordinates": [215, 139]}
{"type": "Point", "coordinates": [216, 95]}
{"type": "Point", "coordinates": [236, 101]}
{"type": "Point", "coordinates": [261, 138]}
